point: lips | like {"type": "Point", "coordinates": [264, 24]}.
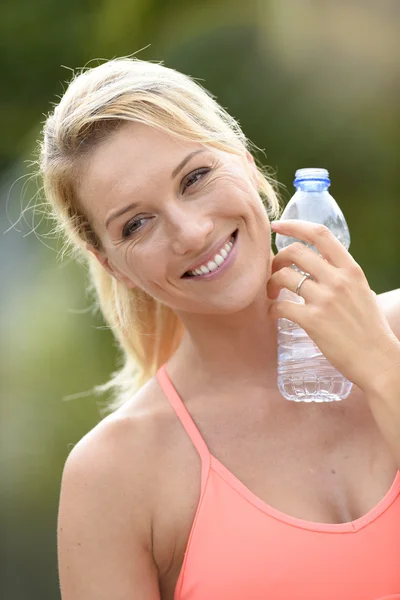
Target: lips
{"type": "Point", "coordinates": [209, 255]}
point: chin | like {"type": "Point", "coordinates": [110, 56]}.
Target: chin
{"type": "Point", "coordinates": [235, 298]}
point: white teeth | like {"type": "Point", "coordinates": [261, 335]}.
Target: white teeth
{"type": "Point", "coordinates": [212, 265]}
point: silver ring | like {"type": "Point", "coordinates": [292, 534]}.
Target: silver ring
{"type": "Point", "coordinates": [306, 276]}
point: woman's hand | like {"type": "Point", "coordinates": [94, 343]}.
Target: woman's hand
{"type": "Point", "coordinates": [340, 313]}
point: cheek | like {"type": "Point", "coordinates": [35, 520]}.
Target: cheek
{"type": "Point", "coordinates": [147, 268]}
{"type": "Point", "coordinates": [258, 222]}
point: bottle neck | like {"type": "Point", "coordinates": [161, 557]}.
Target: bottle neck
{"type": "Point", "coordinates": [312, 180]}
{"type": "Point", "coordinates": [308, 185]}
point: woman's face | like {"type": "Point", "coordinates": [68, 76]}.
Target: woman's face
{"type": "Point", "coordinates": [162, 206]}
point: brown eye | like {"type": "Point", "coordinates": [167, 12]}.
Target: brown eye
{"type": "Point", "coordinates": [194, 177]}
{"type": "Point", "coordinates": [132, 226]}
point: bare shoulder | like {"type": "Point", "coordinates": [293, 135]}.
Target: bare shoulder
{"type": "Point", "coordinates": [390, 304]}
{"type": "Point", "coordinates": [118, 448]}
{"type": "Point", "coordinates": [105, 512]}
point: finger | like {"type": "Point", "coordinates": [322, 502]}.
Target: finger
{"type": "Point", "coordinates": [305, 259]}
{"type": "Point", "coordinates": [290, 279]}
{"type": "Point", "coordinates": [285, 309]}
{"type": "Point", "coordinates": [319, 236]}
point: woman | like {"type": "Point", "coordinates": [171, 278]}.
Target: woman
{"type": "Point", "coordinates": [205, 483]}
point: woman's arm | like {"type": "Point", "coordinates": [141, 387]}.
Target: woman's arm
{"type": "Point", "coordinates": [390, 304]}
{"type": "Point", "coordinates": [104, 524]}
{"type": "Point", "coordinates": [383, 393]}
{"type": "Point", "coordinates": [384, 402]}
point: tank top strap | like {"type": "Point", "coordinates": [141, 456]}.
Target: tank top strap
{"type": "Point", "coordinates": [183, 415]}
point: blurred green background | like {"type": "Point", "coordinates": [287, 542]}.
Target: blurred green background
{"type": "Point", "coordinates": [312, 83]}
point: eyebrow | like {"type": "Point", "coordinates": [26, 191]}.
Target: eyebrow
{"type": "Point", "coordinates": [185, 161]}
{"type": "Point", "coordinates": [175, 172]}
{"type": "Point", "coordinates": [121, 212]}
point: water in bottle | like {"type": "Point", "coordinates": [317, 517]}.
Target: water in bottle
{"type": "Point", "coordinates": [304, 374]}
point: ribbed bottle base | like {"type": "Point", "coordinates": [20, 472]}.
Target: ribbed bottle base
{"type": "Point", "coordinates": [310, 388]}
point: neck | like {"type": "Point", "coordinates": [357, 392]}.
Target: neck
{"type": "Point", "coordinates": [220, 348]}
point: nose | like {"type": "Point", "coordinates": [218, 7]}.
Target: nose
{"type": "Point", "coordinates": [190, 233]}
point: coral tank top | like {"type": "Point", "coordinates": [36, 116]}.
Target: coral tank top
{"type": "Point", "coordinates": [240, 548]}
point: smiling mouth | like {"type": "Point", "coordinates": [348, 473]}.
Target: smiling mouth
{"type": "Point", "coordinates": [189, 275]}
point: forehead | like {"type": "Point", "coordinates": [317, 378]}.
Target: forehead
{"type": "Point", "coordinates": [134, 153]}
{"type": "Point", "coordinates": [134, 157]}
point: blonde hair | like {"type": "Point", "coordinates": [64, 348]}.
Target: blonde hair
{"type": "Point", "coordinates": [98, 101]}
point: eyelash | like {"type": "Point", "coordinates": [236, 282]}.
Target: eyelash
{"type": "Point", "coordinates": [126, 230]}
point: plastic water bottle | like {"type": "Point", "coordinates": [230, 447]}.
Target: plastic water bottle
{"type": "Point", "coordinates": [304, 374]}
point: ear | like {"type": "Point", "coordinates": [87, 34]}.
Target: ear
{"type": "Point", "coordinates": [252, 167]}
{"type": "Point", "coordinates": [250, 157]}
{"type": "Point", "coordinates": [105, 262]}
